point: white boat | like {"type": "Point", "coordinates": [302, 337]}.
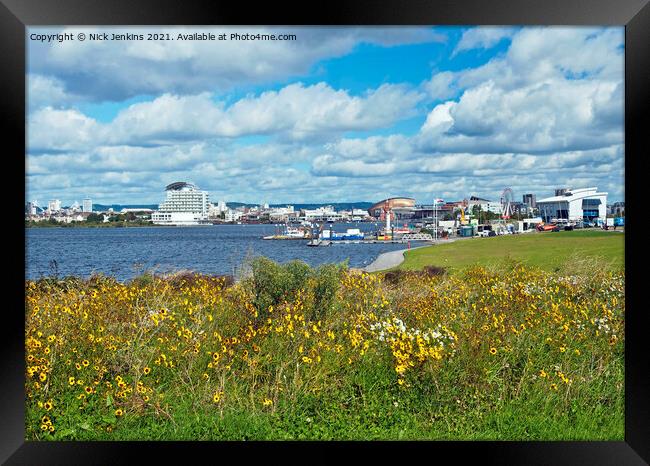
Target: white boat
{"type": "Point", "coordinates": [292, 232]}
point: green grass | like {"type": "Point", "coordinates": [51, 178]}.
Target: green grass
{"type": "Point", "coordinates": [549, 250]}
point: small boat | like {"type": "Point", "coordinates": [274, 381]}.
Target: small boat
{"type": "Point", "coordinates": [291, 233]}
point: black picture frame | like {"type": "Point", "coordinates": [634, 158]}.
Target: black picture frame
{"type": "Point", "coordinates": [16, 15]}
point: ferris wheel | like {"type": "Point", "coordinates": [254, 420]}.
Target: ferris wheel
{"type": "Point", "coordinates": [506, 203]}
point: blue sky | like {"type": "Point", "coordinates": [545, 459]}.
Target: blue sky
{"type": "Point", "coordinates": [339, 114]}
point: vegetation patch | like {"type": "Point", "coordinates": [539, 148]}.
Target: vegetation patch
{"type": "Point", "coordinates": [507, 352]}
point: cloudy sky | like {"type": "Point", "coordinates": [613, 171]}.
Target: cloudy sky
{"type": "Point", "coordinates": [337, 115]}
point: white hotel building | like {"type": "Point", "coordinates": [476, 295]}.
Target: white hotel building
{"type": "Point", "coordinates": [185, 205]}
{"type": "Point", "coordinates": [585, 204]}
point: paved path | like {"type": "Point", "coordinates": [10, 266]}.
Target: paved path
{"type": "Point", "coordinates": [391, 259]}
{"type": "Point", "coordinates": [386, 260]}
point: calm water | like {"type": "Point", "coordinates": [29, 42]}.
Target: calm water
{"type": "Point", "coordinates": [218, 249]}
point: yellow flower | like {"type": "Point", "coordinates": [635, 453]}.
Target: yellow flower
{"type": "Point", "coordinates": [493, 351]}
{"type": "Point", "coordinates": [267, 402]}
{"type": "Point", "coordinates": [85, 363]}
{"type": "Point", "coordinates": [119, 412]}
{"type": "Point", "coordinates": [553, 386]}
{"type": "Point", "coordinates": [47, 405]}
{"type": "Point", "coordinates": [216, 398]}
{"type": "Point", "coordinates": [146, 370]}
{"type": "Point", "coordinates": [562, 349]}
{"type": "Point", "coordinates": [542, 373]}
{"type": "Point", "coordinates": [42, 377]}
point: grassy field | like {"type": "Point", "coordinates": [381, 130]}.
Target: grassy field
{"type": "Point", "coordinates": [549, 251]}
{"type": "Point", "coordinates": [508, 352]}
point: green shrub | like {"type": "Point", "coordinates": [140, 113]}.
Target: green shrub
{"type": "Point", "coordinates": [327, 282]}
{"type": "Point", "coordinates": [272, 284]}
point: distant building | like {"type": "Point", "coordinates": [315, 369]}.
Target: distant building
{"type": "Point", "coordinates": [530, 200]}
{"type": "Point", "coordinates": [54, 205]}
{"type": "Point", "coordinates": [232, 215]}
{"type": "Point", "coordinates": [282, 214]}
{"type": "Point", "coordinates": [185, 204]}
{"type": "Point", "coordinates": [616, 209]}
{"type": "Point", "coordinates": [520, 208]}
{"type": "Point", "coordinates": [485, 204]}
{"type": "Point", "coordinates": [561, 191]}
{"type": "Point", "coordinates": [87, 205]}
{"type": "Point", "coordinates": [140, 210]}
{"type": "Point", "coordinates": [358, 214]}
{"type": "Point", "coordinates": [585, 204]}
{"type": "Point", "coordinates": [31, 208]}
{"type": "Point", "coordinates": [400, 206]}
{"type": "Point", "coordinates": [321, 214]}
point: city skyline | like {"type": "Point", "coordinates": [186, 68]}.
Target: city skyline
{"type": "Point", "coordinates": [339, 114]}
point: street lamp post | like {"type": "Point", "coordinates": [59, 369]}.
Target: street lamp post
{"type": "Point", "coordinates": [435, 220]}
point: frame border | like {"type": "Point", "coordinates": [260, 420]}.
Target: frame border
{"type": "Point", "coordinates": [16, 15]}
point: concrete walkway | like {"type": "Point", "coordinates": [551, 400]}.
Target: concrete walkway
{"type": "Point", "coordinates": [391, 259]}
{"type": "Point", "coordinates": [385, 261]}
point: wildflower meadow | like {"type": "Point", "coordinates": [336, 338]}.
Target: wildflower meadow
{"type": "Point", "coordinates": [507, 352]}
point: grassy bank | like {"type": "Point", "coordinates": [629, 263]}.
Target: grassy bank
{"type": "Point", "coordinates": [548, 251]}
{"type": "Point", "coordinates": [291, 352]}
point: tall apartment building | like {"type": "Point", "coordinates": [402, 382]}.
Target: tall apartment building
{"type": "Point", "coordinates": [530, 200]}
{"type": "Point", "coordinates": [185, 204]}
{"type": "Point", "coordinates": [87, 205]}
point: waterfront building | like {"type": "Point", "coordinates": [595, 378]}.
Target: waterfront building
{"type": "Point", "coordinates": [233, 215]}
{"type": "Point", "coordinates": [401, 207]}
{"type": "Point", "coordinates": [87, 205]}
{"type": "Point", "coordinates": [321, 214]}
{"type": "Point", "coordinates": [585, 204]}
{"type": "Point", "coordinates": [213, 211]}
{"type": "Point", "coordinates": [282, 214]}
{"type": "Point", "coordinates": [185, 204]}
